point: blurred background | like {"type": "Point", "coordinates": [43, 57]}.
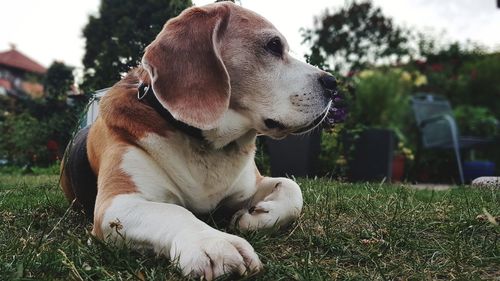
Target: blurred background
{"type": "Point", "coordinates": [419, 82]}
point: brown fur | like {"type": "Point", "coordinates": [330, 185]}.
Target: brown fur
{"type": "Point", "coordinates": [66, 184]}
{"type": "Point", "coordinates": [112, 181]}
{"type": "Point", "coordinates": [123, 120]}
{"type": "Point", "coordinates": [187, 70]}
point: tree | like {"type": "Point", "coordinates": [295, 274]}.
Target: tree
{"type": "Point", "coordinates": [58, 81]}
{"type": "Point", "coordinates": [354, 37]}
{"type": "Point", "coordinates": [117, 36]}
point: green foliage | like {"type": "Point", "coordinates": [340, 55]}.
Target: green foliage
{"type": "Point", "coordinates": [483, 88]}
{"type": "Point", "coordinates": [334, 154]}
{"type": "Point", "coordinates": [58, 81]}
{"type": "Point", "coordinates": [116, 37]}
{"type": "Point", "coordinates": [354, 37]}
{"type": "Point", "coordinates": [447, 71]}
{"type": "Point", "coordinates": [476, 121]}
{"type": "Point", "coordinates": [382, 98]}
{"type": "Point", "coordinates": [23, 139]}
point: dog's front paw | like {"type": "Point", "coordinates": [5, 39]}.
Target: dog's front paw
{"type": "Point", "coordinates": [212, 253]}
{"type": "Point", "coordinates": [282, 206]}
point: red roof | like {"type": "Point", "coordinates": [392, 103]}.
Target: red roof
{"type": "Point", "coordinates": [15, 59]}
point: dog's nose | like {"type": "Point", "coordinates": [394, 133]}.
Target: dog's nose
{"type": "Point", "coordinates": [329, 84]}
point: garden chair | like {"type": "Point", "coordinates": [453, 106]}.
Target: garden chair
{"type": "Point", "coordinates": [438, 128]}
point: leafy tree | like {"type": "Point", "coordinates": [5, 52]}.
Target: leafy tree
{"type": "Point", "coordinates": [354, 37]}
{"type": "Point", "coordinates": [55, 114]}
{"type": "Point", "coordinates": [58, 81]}
{"type": "Point", "coordinates": [117, 36]}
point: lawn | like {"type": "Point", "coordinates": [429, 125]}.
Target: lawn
{"type": "Point", "coordinates": [347, 232]}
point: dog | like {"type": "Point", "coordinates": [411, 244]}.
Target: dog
{"type": "Point", "coordinates": [175, 139]}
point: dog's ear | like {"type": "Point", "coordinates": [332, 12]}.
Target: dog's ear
{"type": "Point", "coordinates": [185, 66]}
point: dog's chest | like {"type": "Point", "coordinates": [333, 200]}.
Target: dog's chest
{"type": "Point", "coordinates": [201, 176]}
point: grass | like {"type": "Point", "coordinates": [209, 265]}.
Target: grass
{"type": "Point", "coordinates": [347, 232]}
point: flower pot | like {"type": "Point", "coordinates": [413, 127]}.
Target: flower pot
{"type": "Point", "coordinates": [398, 168]}
{"type": "Point", "coordinates": [476, 169]}
{"type": "Point", "coordinates": [373, 154]}
{"type": "Point", "coordinates": [295, 155]}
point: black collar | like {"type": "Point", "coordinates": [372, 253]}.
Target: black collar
{"type": "Point", "coordinates": [145, 94]}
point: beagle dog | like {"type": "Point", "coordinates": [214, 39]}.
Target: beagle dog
{"type": "Point", "coordinates": [176, 138]}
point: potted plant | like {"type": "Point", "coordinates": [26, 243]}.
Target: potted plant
{"type": "Point", "coordinates": [381, 104]}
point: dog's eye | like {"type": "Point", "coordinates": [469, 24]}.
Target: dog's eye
{"type": "Point", "coordinates": [275, 47]}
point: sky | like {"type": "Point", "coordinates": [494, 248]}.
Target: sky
{"type": "Point", "coordinates": [51, 30]}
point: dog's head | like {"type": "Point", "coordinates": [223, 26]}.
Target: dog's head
{"type": "Point", "coordinates": [221, 64]}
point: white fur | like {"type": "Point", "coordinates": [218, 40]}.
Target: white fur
{"type": "Point", "coordinates": [281, 205]}
{"type": "Point", "coordinates": [232, 126]}
{"type": "Point", "coordinates": [173, 231]}
{"type": "Point", "coordinates": [201, 177]}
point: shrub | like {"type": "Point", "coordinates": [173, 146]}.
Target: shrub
{"type": "Point", "coordinates": [23, 139]}
{"type": "Point", "coordinates": [382, 98]}
{"type": "Point", "coordinates": [483, 88]}
{"type": "Point", "coordinates": [476, 121]}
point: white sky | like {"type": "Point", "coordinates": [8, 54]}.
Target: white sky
{"type": "Point", "coordinates": [48, 30]}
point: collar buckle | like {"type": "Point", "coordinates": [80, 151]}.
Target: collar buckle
{"type": "Point", "coordinates": [142, 91]}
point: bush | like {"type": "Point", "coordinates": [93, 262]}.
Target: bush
{"type": "Point", "coordinates": [476, 121]}
{"type": "Point", "coordinates": [483, 87]}
{"type": "Point", "coordinates": [382, 98]}
{"type": "Point", "coordinates": [334, 153]}
{"type": "Point", "coordinates": [23, 139]}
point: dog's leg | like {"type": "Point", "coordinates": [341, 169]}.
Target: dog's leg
{"type": "Point", "coordinates": [277, 202]}
{"type": "Point", "coordinates": [125, 213]}
{"type": "Point", "coordinates": [173, 231]}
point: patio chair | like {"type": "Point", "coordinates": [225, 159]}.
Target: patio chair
{"type": "Point", "coordinates": [438, 128]}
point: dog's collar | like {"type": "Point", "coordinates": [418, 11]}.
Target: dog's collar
{"type": "Point", "coordinates": [145, 94]}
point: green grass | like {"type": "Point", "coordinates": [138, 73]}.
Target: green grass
{"type": "Point", "coordinates": [347, 232]}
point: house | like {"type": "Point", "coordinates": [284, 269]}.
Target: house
{"type": "Point", "coordinates": [20, 75]}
